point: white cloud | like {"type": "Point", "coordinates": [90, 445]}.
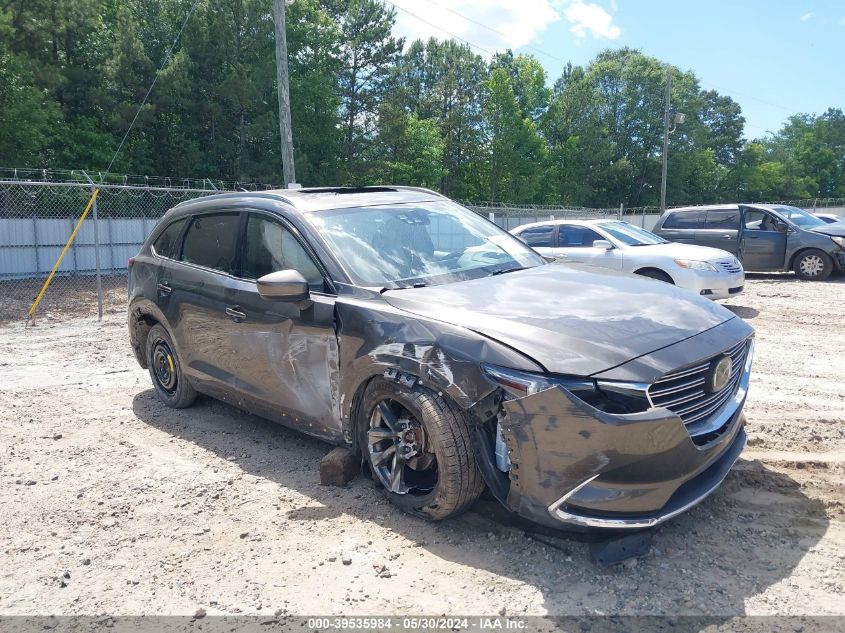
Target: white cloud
{"type": "Point", "coordinates": [588, 18]}
{"type": "Point", "coordinates": [807, 16]}
{"type": "Point", "coordinates": [492, 25]}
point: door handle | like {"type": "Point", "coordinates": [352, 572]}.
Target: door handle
{"type": "Point", "coordinates": [164, 290]}
{"type": "Point", "coordinates": [235, 313]}
{"type": "Point", "coordinates": [727, 237]}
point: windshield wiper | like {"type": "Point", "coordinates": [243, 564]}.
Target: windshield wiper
{"type": "Point", "coordinates": [502, 271]}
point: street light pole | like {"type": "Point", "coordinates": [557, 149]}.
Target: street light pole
{"type": "Point", "coordinates": [665, 140]}
{"type": "Point", "coordinates": [285, 130]}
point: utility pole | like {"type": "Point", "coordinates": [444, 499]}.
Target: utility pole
{"type": "Point", "coordinates": [665, 140]}
{"type": "Point", "coordinates": [285, 130]}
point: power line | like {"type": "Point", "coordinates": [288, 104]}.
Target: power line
{"type": "Point", "coordinates": [152, 85]}
{"type": "Point", "coordinates": [440, 28]}
{"type": "Point", "coordinates": [555, 57]}
{"type": "Point", "coordinates": [496, 31]}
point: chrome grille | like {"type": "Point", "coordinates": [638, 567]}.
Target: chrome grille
{"type": "Point", "coordinates": [731, 265]}
{"type": "Point", "coordinates": [683, 391]}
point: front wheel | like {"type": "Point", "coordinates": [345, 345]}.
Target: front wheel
{"type": "Point", "coordinates": [418, 449]}
{"type": "Point", "coordinates": [813, 265]}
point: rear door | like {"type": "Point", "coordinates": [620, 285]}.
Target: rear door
{"type": "Point", "coordinates": [681, 226]}
{"type": "Point", "coordinates": [541, 238]}
{"type": "Point", "coordinates": [194, 290]}
{"type": "Point", "coordinates": [576, 243]}
{"type": "Point", "coordinates": [762, 246]}
{"type": "Point", "coordinates": [721, 230]}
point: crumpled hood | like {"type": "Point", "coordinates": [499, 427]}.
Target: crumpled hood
{"type": "Point", "coordinates": [836, 229]}
{"type": "Point", "coordinates": [571, 319]}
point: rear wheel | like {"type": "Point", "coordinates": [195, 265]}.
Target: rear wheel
{"type": "Point", "coordinates": [418, 449]}
{"type": "Point", "coordinates": [813, 265]}
{"type": "Point", "coordinates": [171, 386]}
{"type": "Point", "coordinates": [653, 273]}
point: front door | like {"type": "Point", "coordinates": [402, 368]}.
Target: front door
{"type": "Point", "coordinates": [576, 243]}
{"type": "Point", "coordinates": [762, 245]}
{"type": "Point", "coordinates": [286, 360]}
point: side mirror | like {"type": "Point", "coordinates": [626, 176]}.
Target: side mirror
{"type": "Point", "coordinates": [283, 285]}
{"type": "Point", "coordinates": [781, 227]}
{"type": "Point", "coordinates": [605, 244]}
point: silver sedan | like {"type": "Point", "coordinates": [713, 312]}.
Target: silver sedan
{"type": "Point", "coordinates": [710, 272]}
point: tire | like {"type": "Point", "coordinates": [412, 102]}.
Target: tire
{"type": "Point", "coordinates": [813, 265]}
{"type": "Point", "coordinates": [434, 490]}
{"type": "Point", "coordinates": [170, 383]}
{"type": "Point", "coordinates": [659, 275]}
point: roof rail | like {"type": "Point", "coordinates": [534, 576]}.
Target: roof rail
{"type": "Point", "coordinates": [271, 194]}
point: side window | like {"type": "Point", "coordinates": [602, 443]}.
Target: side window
{"type": "Point", "coordinates": [756, 220]}
{"type": "Point", "coordinates": [270, 247]}
{"type": "Point", "coordinates": [538, 235]}
{"type": "Point", "coordinates": [572, 236]}
{"type": "Point", "coordinates": [685, 220]}
{"type": "Point", "coordinates": [723, 220]}
{"type": "Point", "coordinates": [211, 241]}
{"type": "Point", "coordinates": [166, 244]}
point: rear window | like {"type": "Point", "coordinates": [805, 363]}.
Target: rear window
{"type": "Point", "coordinates": [167, 244]}
{"type": "Point", "coordinates": [723, 220]}
{"type": "Point", "coordinates": [685, 220]}
{"type": "Point", "coordinates": [211, 241]}
{"type": "Point", "coordinates": [538, 235]}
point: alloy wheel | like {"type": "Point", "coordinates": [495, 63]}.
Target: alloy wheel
{"type": "Point", "coordinates": [399, 452]}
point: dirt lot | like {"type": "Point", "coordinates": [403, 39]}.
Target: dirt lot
{"type": "Point", "coordinates": [112, 503]}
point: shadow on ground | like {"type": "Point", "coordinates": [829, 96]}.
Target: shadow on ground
{"type": "Point", "coordinates": [749, 535]}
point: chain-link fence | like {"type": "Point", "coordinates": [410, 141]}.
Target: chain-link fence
{"type": "Point", "coordinates": [39, 210]}
{"type": "Point", "coordinates": [38, 215]}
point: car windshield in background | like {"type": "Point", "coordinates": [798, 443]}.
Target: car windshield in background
{"type": "Point", "coordinates": [799, 217]}
{"type": "Point", "coordinates": [630, 234]}
{"type": "Point", "coordinates": [429, 243]}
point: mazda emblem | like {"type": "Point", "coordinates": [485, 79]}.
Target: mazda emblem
{"type": "Point", "coordinates": [719, 374]}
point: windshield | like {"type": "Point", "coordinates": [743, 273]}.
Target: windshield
{"type": "Point", "coordinates": [631, 235]}
{"type": "Point", "coordinates": [428, 243]}
{"type": "Point", "coordinates": [799, 217]}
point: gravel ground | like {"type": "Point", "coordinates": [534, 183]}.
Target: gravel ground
{"type": "Point", "coordinates": [112, 503]}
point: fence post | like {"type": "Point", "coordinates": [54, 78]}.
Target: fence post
{"type": "Point", "coordinates": [620, 212]}
{"type": "Point", "coordinates": [97, 260]}
{"type": "Point", "coordinates": [491, 216]}
{"type": "Point", "coordinates": [642, 219]}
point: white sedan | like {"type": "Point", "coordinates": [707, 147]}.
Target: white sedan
{"type": "Point", "coordinates": [618, 245]}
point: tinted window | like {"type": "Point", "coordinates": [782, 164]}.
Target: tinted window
{"type": "Point", "coordinates": [685, 220]}
{"type": "Point", "coordinates": [538, 235]}
{"type": "Point", "coordinates": [211, 241]}
{"type": "Point", "coordinates": [166, 244]}
{"type": "Point", "coordinates": [574, 236]}
{"type": "Point", "coordinates": [725, 220]}
{"type": "Point", "coordinates": [270, 247]}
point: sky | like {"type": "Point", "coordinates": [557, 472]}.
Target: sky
{"type": "Point", "coordinates": [775, 58]}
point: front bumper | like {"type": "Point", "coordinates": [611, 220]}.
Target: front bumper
{"type": "Point", "coordinates": [573, 466]}
{"type": "Point", "coordinates": [713, 285]}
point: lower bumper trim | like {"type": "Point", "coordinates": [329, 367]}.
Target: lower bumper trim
{"type": "Point", "coordinates": [690, 494]}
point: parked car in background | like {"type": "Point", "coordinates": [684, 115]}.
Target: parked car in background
{"type": "Point", "coordinates": [764, 237]}
{"type": "Point", "coordinates": [445, 352]}
{"type": "Point", "coordinates": [618, 245]}
{"type": "Point", "coordinates": [830, 218]}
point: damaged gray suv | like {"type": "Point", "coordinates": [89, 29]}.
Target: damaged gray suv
{"type": "Point", "coordinates": [445, 353]}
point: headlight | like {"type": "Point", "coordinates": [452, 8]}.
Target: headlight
{"type": "Point", "coordinates": [695, 265]}
{"type": "Point", "coordinates": [607, 396]}
{"type": "Point", "coordinates": [840, 241]}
